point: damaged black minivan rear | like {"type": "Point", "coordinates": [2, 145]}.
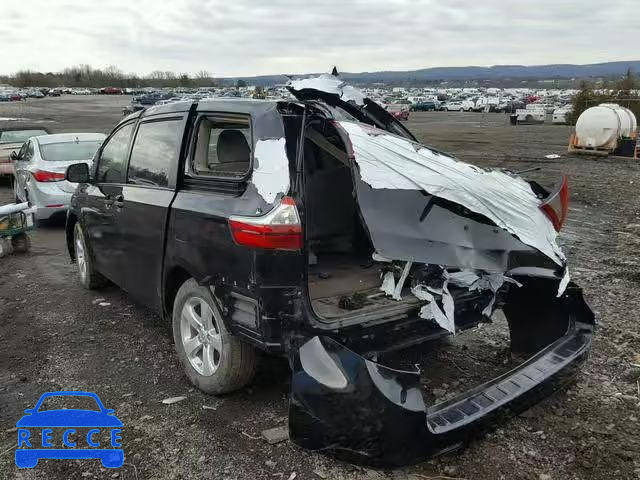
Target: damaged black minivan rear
{"type": "Point", "coordinates": [319, 228]}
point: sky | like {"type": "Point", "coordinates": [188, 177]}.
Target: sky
{"type": "Point", "coordinates": [256, 37]}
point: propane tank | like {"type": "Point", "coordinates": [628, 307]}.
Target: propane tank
{"type": "Point", "coordinates": [602, 126]}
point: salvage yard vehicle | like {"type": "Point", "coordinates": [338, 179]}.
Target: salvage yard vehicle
{"type": "Point", "coordinates": [319, 228]}
{"type": "Point", "coordinates": [398, 111]}
{"type": "Point", "coordinates": [429, 106]}
{"type": "Point", "coordinates": [453, 106]}
{"type": "Point", "coordinates": [13, 134]}
{"type": "Point", "coordinates": [40, 168]}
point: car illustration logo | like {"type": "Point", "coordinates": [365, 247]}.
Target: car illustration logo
{"type": "Point", "coordinates": [69, 433]}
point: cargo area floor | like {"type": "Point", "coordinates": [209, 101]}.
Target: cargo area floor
{"type": "Point", "coordinates": [337, 276]}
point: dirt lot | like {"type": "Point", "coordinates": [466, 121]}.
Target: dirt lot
{"type": "Point", "coordinates": [57, 336]}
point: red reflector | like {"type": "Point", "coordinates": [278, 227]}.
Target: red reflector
{"type": "Point", "coordinates": [44, 176]}
{"type": "Point", "coordinates": [556, 206]}
{"type": "Point", "coordinates": [55, 206]}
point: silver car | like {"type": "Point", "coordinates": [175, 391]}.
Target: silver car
{"type": "Point", "coordinates": [40, 167]}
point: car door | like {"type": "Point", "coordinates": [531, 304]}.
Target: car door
{"type": "Point", "coordinates": [147, 196]}
{"type": "Point", "coordinates": [104, 196]}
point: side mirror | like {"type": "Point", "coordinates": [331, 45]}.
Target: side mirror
{"type": "Point", "coordinates": [77, 173]}
{"type": "Point", "coordinates": [109, 411]}
{"type": "Point", "coordinates": [29, 411]}
{"type": "Point", "coordinates": [13, 156]}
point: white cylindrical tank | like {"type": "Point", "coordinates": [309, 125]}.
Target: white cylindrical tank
{"type": "Point", "coordinates": [628, 123]}
{"type": "Point", "coordinates": [603, 125]}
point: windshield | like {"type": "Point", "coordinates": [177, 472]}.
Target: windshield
{"type": "Point", "coordinates": [19, 136]}
{"type": "Point", "coordinates": [69, 151]}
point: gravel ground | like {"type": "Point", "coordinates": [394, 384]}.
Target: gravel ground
{"type": "Point", "coordinates": [57, 336]}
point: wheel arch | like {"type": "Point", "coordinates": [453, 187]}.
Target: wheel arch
{"type": "Point", "coordinates": [70, 225]}
{"type": "Point", "coordinates": [173, 279]}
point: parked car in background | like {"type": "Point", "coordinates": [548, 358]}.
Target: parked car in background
{"type": "Point", "coordinates": [12, 136]}
{"type": "Point", "coordinates": [215, 213]}
{"type": "Point", "coordinates": [40, 167]}
{"type": "Point", "coordinates": [561, 115]}
{"type": "Point", "coordinates": [399, 111]}
{"type": "Point", "coordinates": [35, 93]}
{"type": "Point", "coordinates": [111, 91]}
{"type": "Point", "coordinates": [424, 107]}
{"type": "Point", "coordinates": [453, 106]}
{"type": "Point", "coordinates": [467, 105]}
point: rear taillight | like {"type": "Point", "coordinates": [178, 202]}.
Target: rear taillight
{"type": "Point", "coordinates": [44, 176]}
{"type": "Point", "coordinates": [279, 229]}
{"type": "Point", "coordinates": [556, 205]}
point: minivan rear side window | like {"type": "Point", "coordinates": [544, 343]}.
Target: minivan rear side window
{"type": "Point", "coordinates": [155, 153]}
{"type": "Point", "coordinates": [223, 148]}
{"type": "Point", "coordinates": [113, 157]}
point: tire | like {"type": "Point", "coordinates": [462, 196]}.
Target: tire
{"type": "Point", "coordinates": [21, 243]}
{"type": "Point", "coordinates": [89, 277]}
{"type": "Point", "coordinates": [217, 362]}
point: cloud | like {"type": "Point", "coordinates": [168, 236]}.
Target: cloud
{"type": "Point", "coordinates": [251, 37]}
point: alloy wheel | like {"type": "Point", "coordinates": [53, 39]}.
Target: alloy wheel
{"type": "Point", "coordinates": [200, 335]}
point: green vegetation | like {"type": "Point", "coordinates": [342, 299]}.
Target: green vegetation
{"type": "Point", "coordinates": [621, 92]}
{"type": "Point", "coordinates": [87, 76]}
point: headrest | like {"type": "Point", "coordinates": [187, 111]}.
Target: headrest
{"type": "Point", "coordinates": [232, 147]}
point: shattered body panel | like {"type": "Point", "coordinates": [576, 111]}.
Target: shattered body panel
{"type": "Point", "coordinates": [477, 230]}
{"type": "Point", "coordinates": [389, 163]}
{"type": "Point", "coordinates": [347, 405]}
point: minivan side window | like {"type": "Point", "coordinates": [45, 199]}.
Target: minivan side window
{"type": "Point", "coordinates": [113, 157]}
{"type": "Point", "coordinates": [223, 148]}
{"type": "Point", "coordinates": [155, 153]}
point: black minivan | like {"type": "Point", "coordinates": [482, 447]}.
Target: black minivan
{"type": "Point", "coordinates": [319, 228]}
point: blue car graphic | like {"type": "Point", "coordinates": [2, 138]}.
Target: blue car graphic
{"type": "Point", "coordinates": [28, 456]}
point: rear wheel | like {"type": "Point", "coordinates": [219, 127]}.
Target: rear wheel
{"type": "Point", "coordinates": [89, 277]}
{"type": "Point", "coordinates": [215, 361]}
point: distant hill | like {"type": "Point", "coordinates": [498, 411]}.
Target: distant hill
{"type": "Point", "coordinates": [496, 72]}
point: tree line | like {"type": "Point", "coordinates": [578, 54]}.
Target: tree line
{"type": "Point", "coordinates": [87, 76]}
{"type": "Point", "coordinates": [622, 91]}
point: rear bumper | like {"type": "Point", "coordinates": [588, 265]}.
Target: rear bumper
{"type": "Point", "coordinates": [48, 200]}
{"type": "Point", "coordinates": [361, 411]}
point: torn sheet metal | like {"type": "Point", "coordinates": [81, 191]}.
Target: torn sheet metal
{"type": "Point", "coordinates": [431, 310]}
{"type": "Point", "coordinates": [388, 284]}
{"type": "Point", "coordinates": [445, 316]}
{"type": "Point", "coordinates": [563, 282]}
{"type": "Point", "coordinates": [390, 163]}
{"type": "Point", "coordinates": [329, 84]}
{"type": "Point", "coordinates": [271, 169]}
{"type": "Point", "coordinates": [397, 292]}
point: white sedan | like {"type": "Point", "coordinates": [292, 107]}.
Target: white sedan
{"type": "Point", "coordinates": [453, 106]}
{"type": "Point", "coordinates": [40, 168]}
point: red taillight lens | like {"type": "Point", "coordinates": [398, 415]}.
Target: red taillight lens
{"type": "Point", "coordinates": [279, 229]}
{"type": "Point", "coordinates": [556, 205]}
{"type": "Point", "coordinates": [44, 176]}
